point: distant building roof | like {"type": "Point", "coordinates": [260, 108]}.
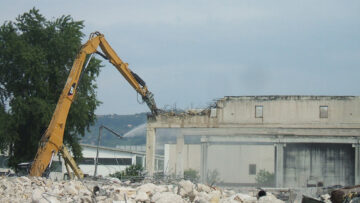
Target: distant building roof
{"type": "Point", "coordinates": [289, 97]}
{"type": "Point", "coordinates": [118, 150]}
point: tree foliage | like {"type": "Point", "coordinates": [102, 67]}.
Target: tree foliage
{"type": "Point", "coordinates": [213, 177]}
{"type": "Point", "coordinates": [192, 175]}
{"type": "Point", "coordinates": [132, 172]}
{"type": "Point", "coordinates": [36, 56]}
{"type": "Point", "coordinates": [265, 179]}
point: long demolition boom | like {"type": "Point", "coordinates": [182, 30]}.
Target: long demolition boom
{"type": "Point", "coordinates": [52, 141]}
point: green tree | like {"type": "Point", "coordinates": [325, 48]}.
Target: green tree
{"type": "Point", "coordinates": [132, 172]}
{"type": "Point", "coordinates": [265, 179]}
{"type": "Point", "coordinates": [213, 177]}
{"type": "Point", "coordinates": [192, 175]}
{"type": "Point", "coordinates": [36, 56]}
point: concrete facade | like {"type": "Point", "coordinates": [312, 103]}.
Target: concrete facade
{"type": "Point", "coordinates": [331, 164]}
{"type": "Point", "coordinates": [231, 161]}
{"type": "Point", "coordinates": [190, 159]}
{"type": "Point", "coordinates": [283, 122]}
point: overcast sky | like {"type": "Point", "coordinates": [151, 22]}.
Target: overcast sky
{"type": "Point", "coordinates": [192, 52]}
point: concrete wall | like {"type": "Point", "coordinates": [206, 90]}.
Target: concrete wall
{"type": "Point", "coordinates": [190, 157]}
{"type": "Point", "coordinates": [332, 164]}
{"type": "Point", "coordinates": [285, 110]}
{"type": "Point", "coordinates": [232, 162]}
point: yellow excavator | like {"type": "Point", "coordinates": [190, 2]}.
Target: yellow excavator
{"type": "Point", "coordinates": [51, 142]}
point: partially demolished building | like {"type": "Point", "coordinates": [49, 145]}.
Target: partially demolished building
{"type": "Point", "coordinates": [304, 140]}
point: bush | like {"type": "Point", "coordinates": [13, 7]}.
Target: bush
{"type": "Point", "coordinates": [133, 173]}
{"type": "Point", "coordinates": [192, 175]}
{"type": "Point", "coordinates": [213, 177]}
{"type": "Point", "coordinates": [265, 179]}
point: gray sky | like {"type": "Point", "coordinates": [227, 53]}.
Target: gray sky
{"type": "Point", "coordinates": [192, 52]}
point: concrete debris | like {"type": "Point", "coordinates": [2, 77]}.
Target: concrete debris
{"type": "Point", "coordinates": [37, 195]}
{"type": "Point", "coordinates": [70, 188]}
{"type": "Point", "coordinates": [237, 198]}
{"type": "Point", "coordinates": [142, 197]}
{"type": "Point", "coordinates": [346, 194]}
{"type": "Point", "coordinates": [325, 198]}
{"type": "Point", "coordinates": [307, 199]}
{"type": "Point", "coordinates": [186, 188]}
{"type": "Point", "coordinates": [203, 188]}
{"type": "Point", "coordinates": [41, 190]}
{"type": "Point", "coordinates": [269, 198]}
{"type": "Point", "coordinates": [167, 197]}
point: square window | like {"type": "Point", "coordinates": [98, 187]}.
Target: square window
{"type": "Point", "coordinates": [258, 111]}
{"type": "Point", "coordinates": [252, 169]}
{"type": "Point", "coordinates": [323, 111]}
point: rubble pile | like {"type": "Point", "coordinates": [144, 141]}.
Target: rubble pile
{"type": "Point", "coordinates": [42, 190]}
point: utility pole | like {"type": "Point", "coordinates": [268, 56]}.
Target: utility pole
{"type": "Point", "coordinates": [97, 148]}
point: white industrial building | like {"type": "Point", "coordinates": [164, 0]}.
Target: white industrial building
{"type": "Point", "coordinates": [110, 160]}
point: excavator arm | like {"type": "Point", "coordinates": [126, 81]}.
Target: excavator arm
{"type": "Point", "coordinates": [52, 141]}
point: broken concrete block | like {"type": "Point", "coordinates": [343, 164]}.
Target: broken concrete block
{"type": "Point", "coordinates": [85, 192]}
{"type": "Point", "coordinates": [86, 199]}
{"type": "Point", "coordinates": [156, 196]}
{"type": "Point", "coordinates": [147, 188]}
{"type": "Point", "coordinates": [168, 197]}
{"type": "Point", "coordinates": [42, 200]}
{"type": "Point", "coordinates": [202, 197]}
{"type": "Point", "coordinates": [119, 197]}
{"type": "Point", "coordinates": [71, 189]}
{"type": "Point", "coordinates": [187, 186]}
{"type": "Point", "coordinates": [237, 198]}
{"type": "Point", "coordinates": [215, 196]}
{"type": "Point", "coordinates": [114, 180]}
{"type": "Point", "coordinates": [269, 198]}
{"type": "Point", "coordinates": [37, 195]}
{"type": "Point", "coordinates": [51, 199]}
{"type": "Point", "coordinates": [161, 188]}
{"type": "Point", "coordinates": [100, 198]}
{"type": "Point", "coordinates": [24, 180]}
{"type": "Point", "coordinates": [203, 188]}
{"type": "Point", "coordinates": [141, 196]}
{"type": "Point", "coordinates": [326, 198]}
